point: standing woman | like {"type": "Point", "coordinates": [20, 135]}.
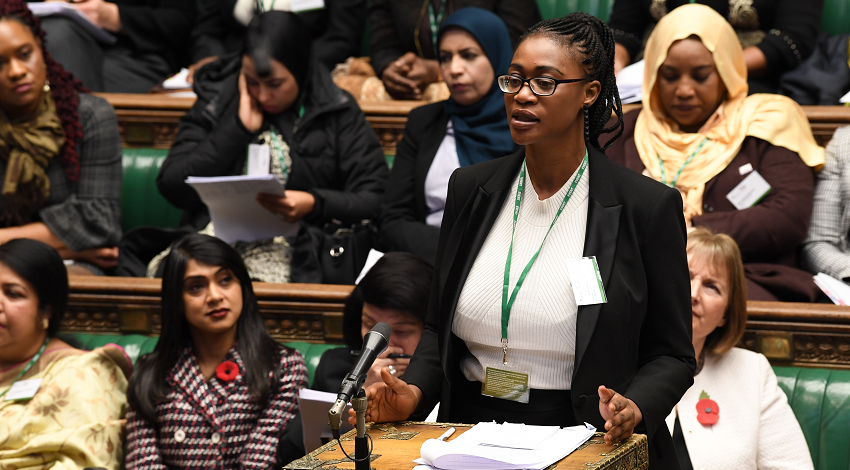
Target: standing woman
{"type": "Point", "coordinates": [60, 152]}
{"type": "Point", "coordinates": [217, 391]}
{"type": "Point", "coordinates": [474, 47]}
{"type": "Point", "coordinates": [519, 222]}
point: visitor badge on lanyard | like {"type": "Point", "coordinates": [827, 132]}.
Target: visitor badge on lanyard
{"type": "Point", "coordinates": [259, 158]}
{"type": "Point", "coordinates": [586, 281]}
{"type": "Point", "coordinates": [23, 389]}
{"type": "Point", "coordinates": [297, 6]}
{"type": "Point", "coordinates": [506, 382]}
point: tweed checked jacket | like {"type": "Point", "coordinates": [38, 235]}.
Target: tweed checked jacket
{"type": "Point", "coordinates": [215, 424]}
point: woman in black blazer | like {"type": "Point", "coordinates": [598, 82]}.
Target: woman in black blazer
{"type": "Point", "coordinates": [470, 127]}
{"type": "Point", "coordinates": [625, 363]}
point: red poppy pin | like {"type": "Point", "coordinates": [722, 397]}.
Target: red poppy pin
{"type": "Point", "coordinates": [707, 410]}
{"type": "Point", "coordinates": [227, 371]}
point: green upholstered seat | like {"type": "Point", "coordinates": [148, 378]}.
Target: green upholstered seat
{"type": "Point", "coordinates": [820, 399]}
{"type": "Point", "coordinates": [558, 8]}
{"type": "Point", "coordinates": [136, 345]}
{"type": "Point", "coordinates": [141, 203]}
{"type": "Point", "coordinates": [836, 17]}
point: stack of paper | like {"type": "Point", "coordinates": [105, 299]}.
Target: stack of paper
{"type": "Point", "coordinates": [234, 210]}
{"type": "Point", "coordinates": [838, 291]}
{"type": "Point", "coordinates": [503, 447]}
{"type": "Point", "coordinates": [630, 83]}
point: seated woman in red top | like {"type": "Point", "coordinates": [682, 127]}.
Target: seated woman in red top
{"type": "Point", "coordinates": [217, 391]}
{"type": "Point", "coordinates": [699, 132]}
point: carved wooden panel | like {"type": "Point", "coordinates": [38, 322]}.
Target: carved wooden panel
{"type": "Point", "coordinates": [292, 312]}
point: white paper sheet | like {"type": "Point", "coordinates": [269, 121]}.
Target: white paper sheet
{"type": "Point", "coordinates": [630, 83]}
{"type": "Point", "coordinates": [234, 210]}
{"type": "Point", "coordinates": [371, 259]}
{"type": "Point", "coordinates": [836, 290]}
{"type": "Point", "coordinates": [41, 9]}
{"type": "Point", "coordinates": [178, 81]}
{"type": "Point", "coordinates": [466, 452]}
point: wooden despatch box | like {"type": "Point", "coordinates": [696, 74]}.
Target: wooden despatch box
{"type": "Point", "coordinates": [396, 445]}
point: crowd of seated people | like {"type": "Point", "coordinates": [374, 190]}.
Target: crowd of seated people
{"type": "Point", "coordinates": [709, 126]}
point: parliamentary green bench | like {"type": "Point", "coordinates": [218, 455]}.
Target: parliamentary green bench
{"type": "Point", "coordinates": [820, 398]}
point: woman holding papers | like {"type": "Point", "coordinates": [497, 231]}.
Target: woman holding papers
{"type": "Point", "coordinates": [743, 164]}
{"type": "Point", "coordinates": [560, 291]}
{"type": "Point", "coordinates": [275, 100]}
{"type": "Point", "coordinates": [735, 415]}
{"type": "Point", "coordinates": [474, 47]}
{"type": "Point", "coordinates": [60, 152]}
{"type": "Point", "coordinates": [60, 407]}
{"type": "Point", "coordinates": [217, 391]}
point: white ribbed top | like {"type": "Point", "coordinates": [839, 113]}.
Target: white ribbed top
{"type": "Point", "coordinates": [542, 328]}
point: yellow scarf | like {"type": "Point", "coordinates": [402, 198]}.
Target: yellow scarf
{"type": "Point", "coordinates": [773, 118]}
{"type": "Point", "coordinates": [29, 144]}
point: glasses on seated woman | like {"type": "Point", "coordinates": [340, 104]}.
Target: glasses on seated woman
{"type": "Point", "coordinates": [215, 372]}
{"type": "Point", "coordinates": [59, 406]}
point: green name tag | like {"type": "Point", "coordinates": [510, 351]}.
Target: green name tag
{"type": "Point", "coordinates": [505, 384]}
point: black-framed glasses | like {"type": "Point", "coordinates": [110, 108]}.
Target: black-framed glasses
{"type": "Point", "coordinates": [540, 86]}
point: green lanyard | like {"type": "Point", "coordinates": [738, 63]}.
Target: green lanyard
{"type": "Point", "coordinates": [436, 19]}
{"type": "Point", "coordinates": [672, 184]}
{"type": "Point", "coordinates": [507, 303]}
{"type": "Point", "coordinates": [28, 366]}
{"type": "Point", "coordinates": [263, 7]}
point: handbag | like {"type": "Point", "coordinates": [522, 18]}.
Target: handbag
{"type": "Point", "coordinates": [344, 249]}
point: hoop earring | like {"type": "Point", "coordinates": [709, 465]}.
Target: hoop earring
{"type": "Point", "coordinates": [46, 87]}
{"type": "Point", "coordinates": [586, 109]}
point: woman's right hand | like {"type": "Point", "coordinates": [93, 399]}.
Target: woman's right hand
{"type": "Point", "coordinates": [400, 365]}
{"type": "Point", "coordinates": [390, 400]}
{"type": "Point", "coordinates": [249, 110]}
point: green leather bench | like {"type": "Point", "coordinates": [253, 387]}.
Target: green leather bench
{"type": "Point", "coordinates": [141, 203]}
{"type": "Point", "coordinates": [820, 398]}
{"type": "Point", "coordinates": [137, 345]}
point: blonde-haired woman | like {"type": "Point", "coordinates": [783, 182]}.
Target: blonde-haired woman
{"type": "Point", "coordinates": [735, 415]}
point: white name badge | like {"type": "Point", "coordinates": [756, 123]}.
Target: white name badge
{"type": "Point", "coordinates": [23, 389]}
{"type": "Point", "coordinates": [749, 191]}
{"type": "Point", "coordinates": [586, 281]}
{"type": "Point", "coordinates": [306, 5]}
{"type": "Point", "coordinates": [259, 157]}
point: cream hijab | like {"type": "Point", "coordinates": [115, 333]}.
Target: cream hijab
{"type": "Point", "coordinates": [773, 118]}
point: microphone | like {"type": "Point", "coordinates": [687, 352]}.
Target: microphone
{"type": "Point", "coordinates": [374, 344]}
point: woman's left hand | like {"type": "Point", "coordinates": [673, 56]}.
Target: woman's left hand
{"type": "Point", "coordinates": [292, 206]}
{"type": "Point", "coordinates": [621, 415]}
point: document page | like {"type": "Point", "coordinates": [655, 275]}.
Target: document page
{"type": "Point", "coordinates": [235, 212]}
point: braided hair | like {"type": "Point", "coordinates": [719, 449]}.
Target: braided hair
{"type": "Point", "coordinates": [595, 41]}
{"type": "Point", "coordinates": [64, 87]}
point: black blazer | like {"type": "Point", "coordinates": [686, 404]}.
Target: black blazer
{"type": "Point", "coordinates": [639, 343]}
{"type": "Point", "coordinates": [404, 209]}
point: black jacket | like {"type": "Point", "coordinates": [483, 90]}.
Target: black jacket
{"type": "Point", "coordinates": [404, 209]}
{"type": "Point", "coordinates": [392, 24]}
{"type": "Point", "coordinates": [160, 27]}
{"type": "Point", "coordinates": [337, 30]}
{"type": "Point", "coordinates": [639, 343]}
{"type": "Point", "coordinates": [335, 154]}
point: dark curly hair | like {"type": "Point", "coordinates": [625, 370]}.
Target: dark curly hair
{"type": "Point", "coordinates": [595, 41]}
{"type": "Point", "coordinates": [63, 86]}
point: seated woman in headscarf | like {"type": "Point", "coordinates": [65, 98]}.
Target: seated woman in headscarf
{"type": "Point", "coordinates": [60, 152]}
{"type": "Point", "coordinates": [744, 165]}
{"type": "Point", "coordinates": [321, 148]}
{"type": "Point", "coordinates": [60, 407]}
{"type": "Point", "coordinates": [470, 127]}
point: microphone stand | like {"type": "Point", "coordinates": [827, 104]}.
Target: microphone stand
{"type": "Point", "coordinates": [362, 459]}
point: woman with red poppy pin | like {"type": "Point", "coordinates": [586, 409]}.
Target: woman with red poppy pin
{"type": "Point", "coordinates": [217, 391]}
{"type": "Point", "coordinates": [756, 429]}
